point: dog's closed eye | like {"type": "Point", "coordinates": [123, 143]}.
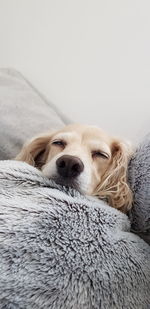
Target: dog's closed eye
{"type": "Point", "coordinates": [60, 143]}
{"type": "Point", "coordinates": [99, 154]}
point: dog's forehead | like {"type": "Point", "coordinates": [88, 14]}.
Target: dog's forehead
{"type": "Point", "coordinates": [95, 133]}
{"type": "Point", "coordinates": [89, 134]}
{"type": "Point", "coordinates": [67, 135]}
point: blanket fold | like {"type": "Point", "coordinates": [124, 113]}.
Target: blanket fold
{"type": "Point", "coordinates": [61, 250]}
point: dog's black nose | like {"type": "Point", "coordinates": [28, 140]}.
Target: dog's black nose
{"type": "Point", "coordinates": [69, 166]}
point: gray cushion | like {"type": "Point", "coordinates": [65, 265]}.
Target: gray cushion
{"type": "Point", "coordinates": [139, 177]}
{"type": "Point", "coordinates": [24, 112]}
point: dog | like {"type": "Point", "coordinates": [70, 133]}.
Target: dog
{"type": "Point", "coordinates": [86, 159]}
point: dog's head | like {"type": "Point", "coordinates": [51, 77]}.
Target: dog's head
{"type": "Point", "coordinates": [85, 158]}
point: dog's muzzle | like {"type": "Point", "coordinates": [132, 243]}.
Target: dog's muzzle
{"type": "Point", "coordinates": [69, 167]}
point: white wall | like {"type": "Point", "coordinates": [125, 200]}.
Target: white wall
{"type": "Point", "coordinates": [89, 57]}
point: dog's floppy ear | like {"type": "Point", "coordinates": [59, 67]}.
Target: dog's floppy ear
{"type": "Point", "coordinates": [114, 185]}
{"type": "Point", "coordinates": [35, 152]}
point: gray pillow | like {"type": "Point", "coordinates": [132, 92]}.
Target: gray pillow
{"type": "Point", "coordinates": [139, 178]}
{"type": "Point", "coordinates": [24, 112]}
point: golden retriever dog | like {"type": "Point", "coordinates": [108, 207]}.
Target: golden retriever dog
{"type": "Point", "coordinates": [85, 158]}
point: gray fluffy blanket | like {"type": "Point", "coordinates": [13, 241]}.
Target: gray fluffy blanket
{"type": "Point", "coordinates": [61, 250]}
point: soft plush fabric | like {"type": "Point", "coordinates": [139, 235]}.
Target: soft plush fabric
{"type": "Point", "coordinates": [139, 178]}
{"type": "Point", "coordinates": [24, 112]}
{"type": "Point", "coordinates": [60, 250]}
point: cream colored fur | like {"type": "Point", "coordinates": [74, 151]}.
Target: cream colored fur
{"type": "Point", "coordinates": [105, 160]}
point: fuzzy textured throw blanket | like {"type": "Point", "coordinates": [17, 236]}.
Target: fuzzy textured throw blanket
{"type": "Point", "coordinates": [61, 250]}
